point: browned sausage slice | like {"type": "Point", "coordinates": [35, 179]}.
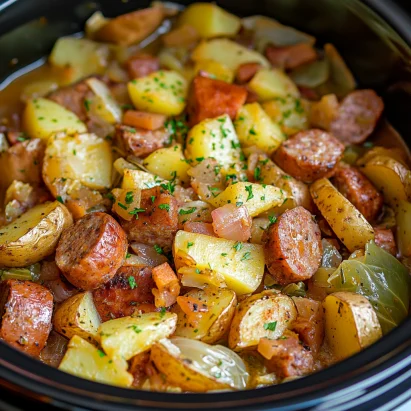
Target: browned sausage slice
{"type": "Point", "coordinates": [141, 65]}
{"type": "Point", "coordinates": [384, 238]}
{"type": "Point", "coordinates": [91, 251]}
{"type": "Point", "coordinates": [292, 247]}
{"type": "Point", "coordinates": [26, 309]}
{"type": "Point", "coordinates": [309, 155]}
{"type": "Point", "coordinates": [246, 72]}
{"type": "Point", "coordinates": [290, 57]}
{"type": "Point", "coordinates": [128, 291]}
{"type": "Point", "coordinates": [359, 190]}
{"type": "Point", "coordinates": [357, 116]}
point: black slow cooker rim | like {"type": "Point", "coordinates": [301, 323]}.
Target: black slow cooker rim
{"type": "Point", "coordinates": [389, 360]}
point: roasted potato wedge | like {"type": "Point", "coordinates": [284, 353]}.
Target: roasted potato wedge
{"type": "Point", "coordinates": [346, 221]}
{"type": "Point", "coordinates": [199, 367]}
{"type": "Point", "coordinates": [403, 216]}
{"type": "Point", "coordinates": [351, 323]}
{"type": "Point", "coordinates": [264, 315]}
{"type": "Point", "coordinates": [128, 336]}
{"type": "Point", "coordinates": [33, 235]}
{"type": "Point", "coordinates": [212, 320]}
{"type": "Point", "coordinates": [240, 264]}
{"type": "Point", "coordinates": [78, 316]}
{"type": "Point", "coordinates": [84, 360]}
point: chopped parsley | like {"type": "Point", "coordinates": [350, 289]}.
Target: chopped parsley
{"type": "Point", "coordinates": [136, 211]}
{"type": "Point", "coordinates": [237, 246]}
{"type": "Point", "coordinates": [132, 282]}
{"type": "Point", "coordinates": [257, 174]}
{"type": "Point", "coordinates": [60, 199]}
{"type": "Point", "coordinates": [189, 244]}
{"type": "Point", "coordinates": [246, 256]}
{"type": "Point", "coordinates": [164, 207]}
{"type": "Point", "coordinates": [135, 328]}
{"type": "Point", "coordinates": [87, 104]}
{"type": "Point", "coordinates": [101, 353]}
{"type": "Point", "coordinates": [124, 207]}
{"type": "Point", "coordinates": [249, 190]}
{"type": "Point", "coordinates": [189, 211]}
{"type": "Point", "coordinates": [252, 132]}
{"type": "Point", "coordinates": [158, 249]}
{"type": "Point", "coordinates": [273, 219]}
{"type": "Point", "coordinates": [162, 312]}
{"type": "Point", "coordinates": [129, 197]}
{"type": "Point", "coordinates": [270, 326]}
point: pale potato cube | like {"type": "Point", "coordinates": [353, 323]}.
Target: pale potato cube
{"type": "Point", "coordinates": [271, 83]}
{"type": "Point", "coordinates": [43, 118]}
{"type": "Point", "coordinates": [138, 179]}
{"type": "Point", "coordinates": [84, 360]}
{"type": "Point", "coordinates": [82, 157]}
{"type": "Point", "coordinates": [255, 128]}
{"type": "Point", "coordinates": [241, 264]}
{"type": "Point", "coordinates": [215, 70]}
{"type": "Point", "coordinates": [126, 202]}
{"type": "Point", "coordinates": [162, 92]}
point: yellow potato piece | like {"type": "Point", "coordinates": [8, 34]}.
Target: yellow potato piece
{"type": "Point", "coordinates": [83, 157]}
{"type": "Point", "coordinates": [240, 264]}
{"type": "Point", "coordinates": [213, 138]}
{"type": "Point", "coordinates": [217, 70]}
{"type": "Point", "coordinates": [162, 92]}
{"type": "Point", "coordinates": [126, 202]}
{"type": "Point", "coordinates": [351, 323]}
{"type": "Point", "coordinates": [84, 360]}
{"type": "Point", "coordinates": [138, 179]}
{"type": "Point", "coordinates": [255, 128]}
{"type": "Point", "coordinates": [403, 216]}
{"type": "Point", "coordinates": [227, 52]}
{"type": "Point", "coordinates": [43, 118]}
{"type": "Point", "coordinates": [168, 163]}
{"type": "Point", "coordinates": [77, 316]}
{"type": "Point", "coordinates": [346, 221]}
{"type": "Point", "coordinates": [257, 198]}
{"type": "Point", "coordinates": [209, 20]}
{"type": "Point", "coordinates": [128, 336]}
{"type": "Point", "coordinates": [271, 83]}
{"type": "Point", "coordinates": [33, 235]}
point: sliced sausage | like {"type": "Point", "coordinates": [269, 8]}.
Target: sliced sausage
{"type": "Point", "coordinates": [91, 251]}
{"type": "Point", "coordinates": [384, 238]}
{"type": "Point", "coordinates": [357, 116]}
{"type": "Point", "coordinates": [309, 155]}
{"type": "Point", "coordinates": [26, 309]}
{"type": "Point", "coordinates": [140, 142]}
{"type": "Point", "coordinates": [144, 120]}
{"type": "Point", "coordinates": [158, 224]}
{"type": "Point", "coordinates": [292, 247]}
{"type": "Point", "coordinates": [141, 65]}
{"type": "Point", "coordinates": [359, 190]}
{"type": "Point", "coordinates": [127, 292]}
{"type": "Point", "coordinates": [209, 98]}
{"type": "Point", "coordinates": [290, 57]}
{"type": "Point", "coordinates": [246, 72]}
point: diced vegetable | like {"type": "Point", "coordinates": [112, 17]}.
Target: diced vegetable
{"type": "Point", "coordinates": [271, 83]}
{"type": "Point", "coordinates": [255, 128]}
{"type": "Point", "coordinates": [169, 164]}
{"type": "Point", "coordinates": [346, 221]}
{"type": "Point", "coordinates": [209, 20]}
{"type": "Point", "coordinates": [240, 264]}
{"type": "Point", "coordinates": [199, 367]}
{"type": "Point", "coordinates": [311, 74]}
{"type": "Point", "coordinates": [183, 36]}
{"type": "Point", "coordinates": [404, 228]}
{"type": "Point", "coordinates": [86, 361]}
{"type": "Point", "coordinates": [215, 70]}
{"type": "Point", "coordinates": [77, 316]}
{"type": "Point", "coordinates": [138, 179]}
{"type": "Point", "coordinates": [323, 112]}
{"type": "Point", "coordinates": [213, 138]}
{"type": "Point", "coordinates": [83, 157]}
{"type": "Point", "coordinates": [43, 118]}
{"type": "Point", "coordinates": [264, 315]}
{"type": "Point", "coordinates": [162, 92]}
{"type": "Point", "coordinates": [256, 197]}
{"type": "Point", "coordinates": [128, 336]}
{"type": "Point", "coordinates": [142, 119]}
{"type": "Point", "coordinates": [126, 202]}
{"type": "Point", "coordinates": [168, 287]}
{"type": "Point", "coordinates": [227, 52]}
{"type": "Point", "coordinates": [351, 323]}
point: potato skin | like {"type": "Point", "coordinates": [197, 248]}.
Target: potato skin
{"type": "Point", "coordinates": [26, 321]}
{"type": "Point", "coordinates": [91, 251]}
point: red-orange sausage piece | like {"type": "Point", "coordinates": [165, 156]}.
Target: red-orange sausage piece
{"type": "Point", "coordinates": [359, 191]}
{"type": "Point", "coordinates": [128, 291]}
{"type": "Point", "coordinates": [91, 251]}
{"type": "Point", "coordinates": [27, 308]}
{"type": "Point", "coordinates": [384, 238]}
{"type": "Point", "coordinates": [292, 247]}
{"type": "Point", "coordinates": [309, 155]}
{"type": "Point", "coordinates": [141, 65]}
{"type": "Point", "coordinates": [290, 57]}
{"type": "Point", "coordinates": [246, 72]}
{"type": "Point", "coordinates": [357, 116]}
{"type": "Point", "coordinates": [211, 98]}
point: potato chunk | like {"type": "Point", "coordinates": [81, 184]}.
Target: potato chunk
{"type": "Point", "coordinates": [210, 20]}
{"type": "Point", "coordinates": [128, 336]}
{"type": "Point", "coordinates": [83, 157]}
{"type": "Point", "coordinates": [162, 92]}
{"type": "Point", "coordinates": [78, 316]}
{"type": "Point", "coordinates": [43, 118]}
{"type": "Point", "coordinates": [264, 315]}
{"type": "Point", "coordinates": [240, 264]}
{"type": "Point", "coordinates": [351, 323]}
{"type": "Point", "coordinates": [255, 128]}
{"type": "Point", "coordinates": [33, 235]}
{"type": "Point", "coordinates": [256, 197]}
{"type": "Point", "coordinates": [86, 361]}
{"type": "Point", "coordinates": [138, 179]}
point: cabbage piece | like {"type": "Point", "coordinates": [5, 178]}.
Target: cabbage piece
{"type": "Point", "coordinates": [382, 279]}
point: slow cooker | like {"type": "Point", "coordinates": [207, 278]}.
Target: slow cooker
{"type": "Point", "coordinates": [374, 37]}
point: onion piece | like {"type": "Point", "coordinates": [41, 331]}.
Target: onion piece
{"type": "Point", "coordinates": [232, 223]}
{"type": "Point", "coordinates": [331, 257]}
{"type": "Point", "coordinates": [54, 351]}
{"type": "Point", "coordinates": [199, 228]}
{"type": "Point", "coordinates": [148, 255]}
